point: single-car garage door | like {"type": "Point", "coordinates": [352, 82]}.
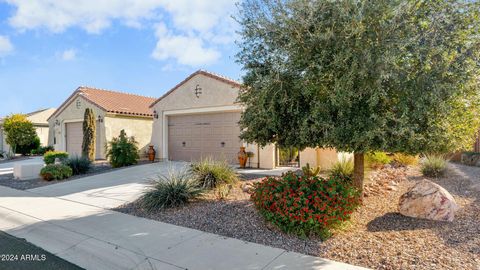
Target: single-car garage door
{"type": "Point", "coordinates": [192, 137]}
{"type": "Point", "coordinates": [74, 138]}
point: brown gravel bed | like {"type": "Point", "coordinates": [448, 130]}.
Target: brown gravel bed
{"type": "Point", "coordinates": [97, 168]}
{"type": "Point", "coordinates": [377, 237]}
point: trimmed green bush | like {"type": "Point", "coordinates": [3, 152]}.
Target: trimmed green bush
{"type": "Point", "coordinates": [55, 172]}
{"type": "Point", "coordinates": [405, 159]}
{"type": "Point", "coordinates": [42, 150]}
{"type": "Point", "coordinates": [305, 206]}
{"type": "Point", "coordinates": [342, 169]}
{"type": "Point", "coordinates": [122, 151]}
{"type": "Point", "coordinates": [27, 149]}
{"type": "Point", "coordinates": [79, 165]}
{"type": "Point", "coordinates": [50, 156]}
{"type": "Point", "coordinates": [434, 165]}
{"type": "Point", "coordinates": [173, 190]}
{"type": "Point", "coordinates": [377, 159]}
{"type": "Point", "coordinates": [211, 173]}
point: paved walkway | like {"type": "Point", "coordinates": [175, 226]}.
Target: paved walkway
{"type": "Point", "coordinates": [72, 221]}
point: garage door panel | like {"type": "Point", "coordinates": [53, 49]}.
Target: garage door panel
{"type": "Point", "coordinates": [203, 135]}
{"type": "Point", "coordinates": [74, 138]}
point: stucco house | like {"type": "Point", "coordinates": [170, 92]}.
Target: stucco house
{"type": "Point", "coordinates": [199, 118]}
{"type": "Point", "coordinates": [39, 120]}
{"type": "Point", "coordinates": [113, 110]}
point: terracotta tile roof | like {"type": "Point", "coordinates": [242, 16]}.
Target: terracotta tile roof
{"type": "Point", "coordinates": [112, 101]}
{"type": "Point", "coordinates": [212, 75]}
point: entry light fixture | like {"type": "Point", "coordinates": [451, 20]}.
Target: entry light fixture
{"type": "Point", "coordinates": [155, 114]}
{"type": "Point", "coordinates": [100, 119]}
{"type": "Point", "coordinates": [57, 122]}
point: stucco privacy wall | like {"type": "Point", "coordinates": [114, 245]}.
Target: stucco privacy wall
{"type": "Point", "coordinates": [216, 96]}
{"type": "Point", "coordinates": [140, 128]}
{"type": "Point", "coordinates": [74, 112]}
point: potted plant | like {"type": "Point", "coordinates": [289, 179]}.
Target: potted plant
{"type": "Point", "coordinates": [242, 157]}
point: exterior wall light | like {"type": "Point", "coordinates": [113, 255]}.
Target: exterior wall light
{"type": "Point", "coordinates": [155, 114]}
{"type": "Point", "coordinates": [100, 119]}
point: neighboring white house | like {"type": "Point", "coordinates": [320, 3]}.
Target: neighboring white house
{"type": "Point", "coordinates": [39, 120]}
{"type": "Point", "coordinates": [199, 118]}
{"type": "Point", "coordinates": [113, 110]}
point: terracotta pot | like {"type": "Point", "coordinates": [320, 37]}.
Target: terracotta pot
{"type": "Point", "coordinates": [242, 157]}
{"type": "Point", "coordinates": [151, 153]}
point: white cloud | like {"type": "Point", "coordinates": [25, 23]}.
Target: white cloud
{"type": "Point", "coordinates": [6, 46]}
{"type": "Point", "coordinates": [187, 50]}
{"type": "Point", "coordinates": [68, 55]}
{"type": "Point", "coordinates": [196, 27]}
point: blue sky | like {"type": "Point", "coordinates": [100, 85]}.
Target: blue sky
{"type": "Point", "coordinates": [48, 48]}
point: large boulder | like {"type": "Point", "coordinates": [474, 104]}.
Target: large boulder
{"type": "Point", "coordinates": [429, 201]}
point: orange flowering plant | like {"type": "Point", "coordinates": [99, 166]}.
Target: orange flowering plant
{"type": "Point", "coordinates": [305, 205]}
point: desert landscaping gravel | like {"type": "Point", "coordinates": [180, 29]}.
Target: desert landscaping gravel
{"type": "Point", "coordinates": [377, 237]}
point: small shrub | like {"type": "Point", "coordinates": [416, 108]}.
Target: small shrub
{"type": "Point", "coordinates": [223, 191]}
{"type": "Point", "coordinates": [377, 159]}
{"type": "Point", "coordinates": [40, 151]}
{"type": "Point", "coordinates": [50, 156]}
{"type": "Point", "coordinates": [79, 165]}
{"type": "Point", "coordinates": [27, 149]}
{"type": "Point", "coordinates": [173, 190]}
{"type": "Point", "coordinates": [305, 205]}
{"type": "Point", "coordinates": [211, 174]}
{"type": "Point", "coordinates": [433, 165]}
{"type": "Point", "coordinates": [405, 159]}
{"type": "Point", "coordinates": [55, 172]}
{"type": "Point", "coordinates": [342, 169]}
{"type": "Point", "coordinates": [309, 171]}
{"type": "Point", "coordinates": [122, 151]}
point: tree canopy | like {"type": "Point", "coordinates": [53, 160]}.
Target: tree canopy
{"type": "Point", "coordinates": [360, 75]}
{"type": "Point", "coordinates": [19, 131]}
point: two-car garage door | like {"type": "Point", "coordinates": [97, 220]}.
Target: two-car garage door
{"type": "Point", "coordinates": [196, 136]}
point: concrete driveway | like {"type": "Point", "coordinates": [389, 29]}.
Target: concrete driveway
{"type": "Point", "coordinates": [72, 220]}
{"type": "Point", "coordinates": [111, 189]}
{"type": "Point", "coordinates": [7, 167]}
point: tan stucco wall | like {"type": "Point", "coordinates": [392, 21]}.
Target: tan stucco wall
{"type": "Point", "coordinates": [319, 157]}
{"type": "Point", "coordinates": [42, 133]}
{"type": "Point", "coordinates": [215, 94]}
{"type": "Point", "coordinates": [308, 155]}
{"type": "Point", "coordinates": [2, 140]}
{"type": "Point", "coordinates": [140, 128]}
{"type": "Point", "coordinates": [72, 113]}
{"type": "Point", "coordinates": [267, 156]}
{"type": "Point", "coordinates": [41, 117]}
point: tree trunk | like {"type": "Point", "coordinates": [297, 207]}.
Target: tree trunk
{"type": "Point", "coordinates": [358, 171]}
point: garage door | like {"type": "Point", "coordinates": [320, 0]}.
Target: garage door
{"type": "Point", "coordinates": [192, 137]}
{"type": "Point", "coordinates": [74, 138]}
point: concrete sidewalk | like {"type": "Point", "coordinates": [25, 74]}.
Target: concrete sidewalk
{"type": "Point", "coordinates": [73, 222]}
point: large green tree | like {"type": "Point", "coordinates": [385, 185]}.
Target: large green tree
{"type": "Point", "coordinates": [19, 131]}
{"type": "Point", "coordinates": [360, 75]}
{"type": "Point", "coordinates": [89, 134]}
